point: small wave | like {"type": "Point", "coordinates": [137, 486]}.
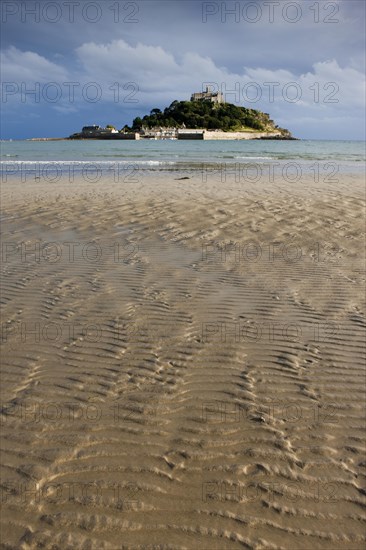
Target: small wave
{"type": "Point", "coordinates": [255, 158]}
{"type": "Point", "coordinates": [82, 162]}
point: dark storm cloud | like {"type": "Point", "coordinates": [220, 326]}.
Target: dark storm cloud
{"type": "Point", "coordinates": [222, 30]}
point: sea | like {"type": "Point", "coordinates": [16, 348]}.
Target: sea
{"type": "Point", "coordinates": [53, 159]}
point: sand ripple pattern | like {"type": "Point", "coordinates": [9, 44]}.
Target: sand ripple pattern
{"type": "Point", "coordinates": [179, 392]}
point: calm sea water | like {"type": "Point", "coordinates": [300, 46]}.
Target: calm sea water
{"type": "Point", "coordinates": [32, 156]}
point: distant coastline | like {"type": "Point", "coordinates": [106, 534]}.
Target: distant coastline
{"type": "Point", "coordinates": [207, 116]}
{"type": "Point", "coordinates": [234, 136]}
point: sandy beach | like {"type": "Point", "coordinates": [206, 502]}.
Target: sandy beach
{"type": "Point", "coordinates": [183, 363]}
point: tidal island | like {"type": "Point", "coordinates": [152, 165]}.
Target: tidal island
{"type": "Point", "coordinates": [207, 116]}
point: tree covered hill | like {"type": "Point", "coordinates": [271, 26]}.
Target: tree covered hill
{"type": "Point", "coordinates": [211, 116]}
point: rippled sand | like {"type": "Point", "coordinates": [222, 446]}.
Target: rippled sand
{"type": "Point", "coordinates": [183, 364]}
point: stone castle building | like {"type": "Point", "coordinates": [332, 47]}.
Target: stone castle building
{"type": "Point", "coordinates": [208, 95]}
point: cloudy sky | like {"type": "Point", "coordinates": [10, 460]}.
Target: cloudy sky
{"type": "Point", "coordinates": [66, 64]}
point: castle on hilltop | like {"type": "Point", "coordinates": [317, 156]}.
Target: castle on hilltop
{"type": "Point", "coordinates": [208, 95]}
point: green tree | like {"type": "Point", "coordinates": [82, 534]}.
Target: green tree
{"type": "Point", "coordinates": [204, 114]}
{"type": "Point", "coordinates": [137, 123]}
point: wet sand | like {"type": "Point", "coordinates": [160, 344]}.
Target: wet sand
{"type": "Point", "coordinates": [183, 364]}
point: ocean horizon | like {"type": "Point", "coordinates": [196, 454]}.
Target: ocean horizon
{"type": "Point", "coordinates": [155, 155]}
